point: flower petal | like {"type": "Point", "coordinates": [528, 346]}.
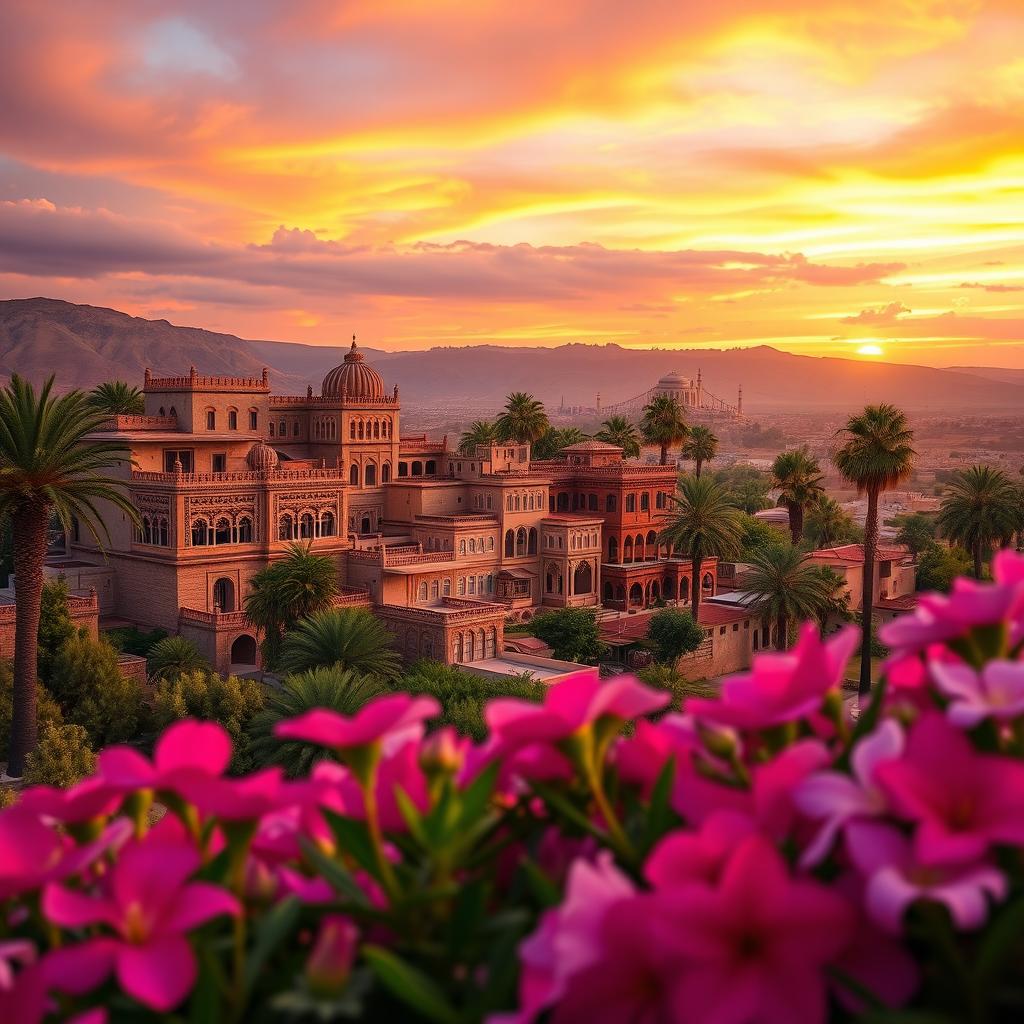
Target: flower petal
{"type": "Point", "coordinates": [204, 746]}
{"type": "Point", "coordinates": [79, 969]}
{"type": "Point", "coordinates": [198, 902]}
{"type": "Point", "coordinates": [73, 909]}
{"type": "Point", "coordinates": [158, 974]}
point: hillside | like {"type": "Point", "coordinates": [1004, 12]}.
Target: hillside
{"type": "Point", "coordinates": [87, 344]}
{"type": "Point", "coordinates": [1002, 373]}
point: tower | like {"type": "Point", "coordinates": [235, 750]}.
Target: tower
{"type": "Point", "coordinates": [700, 390]}
{"type": "Point", "coordinates": [599, 401]}
{"type": "Point", "coordinates": [739, 402]}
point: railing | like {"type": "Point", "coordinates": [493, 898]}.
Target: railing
{"type": "Point", "coordinates": [294, 400]}
{"type": "Point", "coordinates": [394, 558]}
{"type": "Point", "coordinates": [451, 610]}
{"type": "Point", "coordinates": [346, 597]}
{"type": "Point", "coordinates": [242, 476]}
{"type": "Point", "coordinates": [423, 444]}
{"type": "Point", "coordinates": [121, 422]}
{"type": "Point", "coordinates": [195, 381]}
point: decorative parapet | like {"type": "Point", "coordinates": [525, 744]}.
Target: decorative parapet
{"type": "Point", "coordinates": [197, 382]}
{"type": "Point", "coordinates": [346, 597]}
{"type": "Point", "coordinates": [80, 605]}
{"type": "Point", "coordinates": [449, 611]}
{"type": "Point", "coordinates": [139, 423]}
{"type": "Point", "coordinates": [283, 401]}
{"type": "Point", "coordinates": [241, 477]}
{"type": "Point", "coordinates": [421, 443]}
{"type": "Point", "coordinates": [399, 555]}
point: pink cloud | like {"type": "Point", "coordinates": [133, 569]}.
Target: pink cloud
{"type": "Point", "coordinates": [875, 317]}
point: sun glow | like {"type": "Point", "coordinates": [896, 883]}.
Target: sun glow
{"type": "Point", "coordinates": [871, 350]}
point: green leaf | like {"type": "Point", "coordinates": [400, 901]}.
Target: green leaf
{"type": "Point", "coordinates": [279, 922]}
{"type": "Point", "coordinates": [1003, 938]}
{"type": "Point", "coordinates": [659, 813]}
{"type": "Point", "coordinates": [477, 795]}
{"type": "Point", "coordinates": [560, 803]}
{"type": "Point", "coordinates": [353, 838]}
{"type": "Point", "coordinates": [411, 816]}
{"type": "Point", "coordinates": [410, 985]}
{"type": "Point", "coordinates": [334, 871]}
{"type": "Point", "coordinates": [544, 889]}
{"type": "Point", "coordinates": [204, 1003]}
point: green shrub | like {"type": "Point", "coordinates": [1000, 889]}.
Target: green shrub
{"type": "Point", "coordinates": [665, 677]}
{"type": "Point", "coordinates": [174, 656]}
{"type": "Point", "coordinates": [87, 683]}
{"type": "Point", "coordinates": [47, 709]}
{"type": "Point", "coordinates": [55, 625]}
{"type": "Point", "coordinates": [232, 702]}
{"type": "Point", "coordinates": [571, 633]}
{"type": "Point", "coordinates": [673, 633]}
{"type": "Point", "coordinates": [131, 640]}
{"type": "Point", "coordinates": [62, 758]}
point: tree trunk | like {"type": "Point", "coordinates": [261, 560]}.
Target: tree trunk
{"type": "Point", "coordinates": [868, 593]}
{"type": "Point", "coordinates": [664, 454]}
{"type": "Point", "coordinates": [782, 624]}
{"type": "Point", "coordinates": [697, 465]}
{"type": "Point", "coordinates": [30, 527]}
{"type": "Point", "coordinates": [796, 521]}
{"type": "Point", "coordinates": [695, 568]}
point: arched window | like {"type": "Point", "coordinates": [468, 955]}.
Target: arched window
{"type": "Point", "coordinates": [627, 550]}
{"type": "Point", "coordinates": [224, 595]}
{"type": "Point", "coordinates": [583, 579]}
{"type": "Point", "coordinates": [608, 592]}
{"type": "Point", "coordinates": [295, 428]}
{"type": "Point", "coordinates": [490, 543]}
{"type": "Point", "coordinates": [472, 545]}
{"type": "Point", "coordinates": [385, 473]}
{"type": "Point", "coordinates": [516, 503]}
{"type": "Point", "coordinates": [659, 499]}
{"type": "Point", "coordinates": [645, 502]}
{"type": "Point", "coordinates": [161, 411]}
{"type": "Point", "coordinates": [490, 583]}
{"type": "Point", "coordinates": [254, 419]}
{"type": "Point", "coordinates": [222, 532]}
{"type": "Point", "coordinates": [352, 429]}
{"type": "Point", "coordinates": [563, 502]}
{"type": "Point", "coordinates": [630, 502]}
{"type": "Point", "coordinates": [461, 588]}
{"type": "Point", "coordinates": [360, 430]}
{"type": "Point", "coordinates": [510, 544]}
{"type": "Point", "coordinates": [364, 525]}
{"type": "Point", "coordinates": [638, 547]}
{"type": "Point", "coordinates": [163, 532]}
{"type": "Point", "coordinates": [684, 589]}
{"type": "Point", "coordinates": [521, 542]}
{"type": "Point", "coordinates": [285, 528]}
{"type": "Point", "coordinates": [417, 468]}
{"type": "Point", "coordinates": [172, 411]}
{"type": "Point", "coordinates": [707, 585]}
{"type": "Point", "coordinates": [446, 588]}
{"type": "Point", "coordinates": [200, 533]}
{"type": "Point", "coordinates": [610, 503]}
{"type": "Point", "coordinates": [353, 475]}
{"type": "Point", "coordinates": [591, 502]}
{"type": "Point", "coordinates": [422, 593]}
{"type": "Point", "coordinates": [472, 584]}
{"type": "Point", "coordinates": [652, 545]}
{"type": "Point", "coordinates": [636, 594]}
{"type": "Point", "coordinates": [211, 420]}
{"type": "Point", "coordinates": [491, 647]}
{"type": "Point", "coordinates": [613, 550]}
{"type": "Point", "coordinates": [326, 524]}
{"type": "Point", "coordinates": [435, 588]}
{"type": "Point", "coordinates": [244, 530]}
{"type": "Point", "coordinates": [376, 429]}
{"type": "Point", "coordinates": [457, 654]}
{"type": "Point", "coordinates": [531, 547]}
{"type": "Point", "coordinates": [282, 429]}
{"type": "Point", "coordinates": [403, 469]}
{"type": "Point", "coordinates": [370, 474]}
{"type": "Point", "coordinates": [431, 467]}
{"type": "Point", "coordinates": [232, 419]}
{"type": "Point", "coordinates": [462, 547]}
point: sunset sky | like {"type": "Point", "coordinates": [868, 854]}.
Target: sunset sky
{"type": "Point", "coordinates": [825, 176]}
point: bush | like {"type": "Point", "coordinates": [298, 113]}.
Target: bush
{"type": "Point", "coordinates": [232, 702]}
{"type": "Point", "coordinates": [55, 625]}
{"type": "Point", "coordinates": [938, 566]}
{"type": "Point", "coordinates": [131, 640]}
{"type": "Point", "coordinates": [571, 633]}
{"type": "Point", "coordinates": [62, 758]}
{"type": "Point", "coordinates": [47, 709]}
{"type": "Point", "coordinates": [673, 633]}
{"type": "Point", "coordinates": [665, 677]}
{"type": "Point", "coordinates": [87, 683]}
{"type": "Point", "coordinates": [173, 656]}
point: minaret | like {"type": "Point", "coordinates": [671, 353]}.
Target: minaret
{"type": "Point", "coordinates": [739, 402]}
{"type": "Point", "coordinates": [700, 390]}
{"type": "Point", "coordinates": [599, 401]}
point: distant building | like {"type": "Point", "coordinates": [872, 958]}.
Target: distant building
{"type": "Point", "coordinates": [894, 587]}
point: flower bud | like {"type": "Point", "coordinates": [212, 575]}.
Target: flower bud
{"type": "Point", "coordinates": [443, 752]}
{"type": "Point", "coordinates": [330, 961]}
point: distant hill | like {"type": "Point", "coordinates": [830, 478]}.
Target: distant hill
{"type": "Point", "coordinates": [88, 344]}
{"type": "Point", "coordinates": [1001, 373]}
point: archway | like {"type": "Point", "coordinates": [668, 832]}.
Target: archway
{"type": "Point", "coordinates": [684, 589]}
{"type": "Point", "coordinates": [608, 591]}
{"type": "Point", "coordinates": [364, 526]}
{"type": "Point", "coordinates": [243, 650]}
{"type": "Point", "coordinates": [636, 594]}
{"type": "Point", "coordinates": [707, 586]}
{"type": "Point", "coordinates": [224, 595]}
{"type": "Point", "coordinates": [583, 579]}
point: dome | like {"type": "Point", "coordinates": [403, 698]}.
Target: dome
{"type": "Point", "coordinates": [353, 379]}
{"type": "Point", "coordinates": [262, 458]}
{"type": "Point", "coordinates": [675, 380]}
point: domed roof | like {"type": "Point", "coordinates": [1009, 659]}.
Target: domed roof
{"type": "Point", "coordinates": [353, 379]}
{"type": "Point", "coordinates": [675, 380]}
{"type": "Point", "coordinates": [262, 458]}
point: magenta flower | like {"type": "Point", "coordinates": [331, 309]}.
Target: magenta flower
{"type": "Point", "coordinates": [753, 946]}
{"type": "Point", "coordinates": [940, 617]}
{"type": "Point", "coordinates": [90, 799]}
{"type": "Point", "coordinates": [781, 688]}
{"type": "Point", "coordinates": [391, 721]}
{"type": "Point", "coordinates": [569, 707]}
{"type": "Point", "coordinates": [997, 691]}
{"type": "Point", "coordinates": [398, 770]}
{"type": "Point", "coordinates": [837, 798]}
{"type": "Point", "coordinates": [641, 757]}
{"type": "Point", "coordinates": [330, 961]}
{"type": "Point", "coordinates": [29, 849]}
{"type": "Point", "coordinates": [895, 879]}
{"type": "Point", "coordinates": [149, 906]}
{"type": "Point", "coordinates": [232, 799]}
{"type": "Point", "coordinates": [683, 856]}
{"type": "Point", "coordinates": [963, 801]}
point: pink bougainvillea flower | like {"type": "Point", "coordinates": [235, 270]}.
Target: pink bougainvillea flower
{"type": "Point", "coordinates": [330, 961]}
{"type": "Point", "coordinates": [87, 800]}
{"type": "Point", "coordinates": [444, 751]}
{"type": "Point", "coordinates": [398, 770]}
{"type": "Point", "coordinates": [963, 801]}
{"type": "Point", "coordinates": [781, 688]}
{"type": "Point", "coordinates": [753, 946]}
{"type": "Point", "coordinates": [233, 799]}
{"type": "Point", "coordinates": [895, 879]}
{"type": "Point", "coordinates": [148, 905]}
{"type": "Point", "coordinates": [569, 707]}
{"type": "Point", "coordinates": [837, 798]}
{"type": "Point", "coordinates": [29, 848]}
{"type": "Point", "coordinates": [683, 856]}
{"type": "Point", "coordinates": [14, 951]}
{"type": "Point", "coordinates": [940, 617]}
{"type": "Point", "coordinates": [391, 721]}
{"type": "Point", "coordinates": [641, 757]}
{"type": "Point", "coordinates": [186, 749]}
{"type": "Point", "coordinates": [997, 691]}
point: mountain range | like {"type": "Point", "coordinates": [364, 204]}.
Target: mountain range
{"type": "Point", "coordinates": [87, 344]}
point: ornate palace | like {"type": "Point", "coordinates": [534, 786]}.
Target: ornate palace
{"type": "Point", "coordinates": [444, 546]}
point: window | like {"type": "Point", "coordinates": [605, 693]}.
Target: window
{"type": "Point", "coordinates": [431, 466]}
{"type": "Point", "coordinates": [446, 588]}
{"type": "Point", "coordinates": [510, 544]}
{"type": "Point", "coordinates": [422, 592]}
{"type": "Point", "coordinates": [462, 547]}
{"type": "Point", "coordinates": [659, 499]}
{"type": "Point", "coordinates": [352, 430]}
{"type": "Point", "coordinates": [461, 589]}
{"type": "Point", "coordinates": [609, 503]}
{"type": "Point", "coordinates": [326, 524]}
{"type": "Point", "coordinates": [295, 429]}
{"type": "Point", "coordinates": [200, 533]}
{"type": "Point", "coordinates": [520, 542]}
{"type": "Point", "coordinates": [306, 526]}
{"type": "Point", "coordinates": [353, 475]}
{"type": "Point", "coordinates": [244, 530]}
{"type": "Point", "coordinates": [645, 502]}
{"type": "Point", "coordinates": [385, 473]}
{"type": "Point", "coordinates": [472, 584]}
{"type": "Point", "coordinates": [591, 502]}
{"type": "Point", "coordinates": [184, 456]}
{"type": "Point", "coordinates": [282, 429]}
{"type": "Point", "coordinates": [285, 528]}
{"type": "Point", "coordinates": [630, 502]}
{"type": "Point", "coordinates": [211, 420]}
{"type": "Point", "coordinates": [254, 419]}
{"type": "Point", "coordinates": [222, 532]}
{"type": "Point", "coordinates": [370, 474]}
{"type": "Point", "coordinates": [219, 463]}
{"type": "Point", "coordinates": [434, 588]}
{"type": "Point", "coordinates": [232, 419]}
{"type": "Point", "coordinates": [490, 543]}
{"type": "Point", "coordinates": [532, 542]}
{"type": "Point", "coordinates": [403, 469]}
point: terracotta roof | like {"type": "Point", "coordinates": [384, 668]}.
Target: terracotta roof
{"type": "Point", "coordinates": [634, 627]}
{"type": "Point", "coordinates": [591, 446]}
{"type": "Point", "coordinates": [854, 553]}
{"type": "Point", "coordinates": [901, 603]}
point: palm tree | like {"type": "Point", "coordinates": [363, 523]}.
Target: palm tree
{"type": "Point", "coordinates": [701, 445]}
{"type": "Point", "coordinates": [524, 419]}
{"type": "Point", "coordinates": [980, 509]}
{"type": "Point", "coordinates": [117, 398]}
{"type": "Point", "coordinates": [480, 432]}
{"type": "Point", "coordinates": [285, 592]}
{"type": "Point", "coordinates": [705, 524]}
{"type": "Point", "coordinates": [334, 688]}
{"type": "Point", "coordinates": [552, 441]}
{"type": "Point", "coordinates": [663, 424]}
{"type": "Point", "coordinates": [877, 455]}
{"type": "Point", "coordinates": [349, 638]}
{"type": "Point", "coordinates": [174, 656]}
{"type": "Point", "coordinates": [786, 586]}
{"type": "Point", "coordinates": [50, 468]}
{"type": "Point", "coordinates": [798, 476]}
{"type": "Point", "coordinates": [621, 432]}
{"type": "Point", "coordinates": [828, 523]}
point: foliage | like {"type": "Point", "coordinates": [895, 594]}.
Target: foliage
{"type": "Point", "coordinates": [938, 566]}
{"type": "Point", "coordinates": [232, 702]}
{"type": "Point", "coordinates": [758, 535]}
{"type": "Point", "coordinates": [916, 531]}
{"type": "Point", "coordinates": [463, 695]}
{"type": "Point", "coordinates": [621, 432]}
{"type": "Point", "coordinates": [337, 689]}
{"type": "Point", "coordinates": [700, 446]}
{"type": "Point", "coordinates": [550, 444]}
{"type": "Point", "coordinates": [47, 709]}
{"type": "Point", "coordinates": [575, 866]}
{"type": "Point", "coordinates": [673, 633]}
{"type": "Point", "coordinates": [669, 679]}
{"type": "Point", "coordinates": [62, 758]}
{"type": "Point", "coordinates": [285, 592]}
{"type": "Point", "coordinates": [132, 640]}
{"type": "Point", "coordinates": [87, 683]}
{"type": "Point", "coordinates": [746, 487]}
{"type": "Point", "coordinates": [663, 424]}
{"type": "Point", "coordinates": [50, 468]}
{"type": "Point", "coordinates": [174, 656]}
{"type": "Point", "coordinates": [828, 524]}
{"type": "Point", "coordinates": [117, 398]}
{"type": "Point", "coordinates": [480, 432]}
{"type": "Point", "coordinates": [55, 625]}
{"type": "Point", "coordinates": [981, 509]}
{"type": "Point", "coordinates": [571, 633]}
{"type": "Point", "coordinates": [350, 638]}
{"type": "Point", "coordinates": [798, 477]}
{"type": "Point", "coordinates": [523, 419]}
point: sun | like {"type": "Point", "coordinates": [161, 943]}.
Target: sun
{"type": "Point", "coordinates": [870, 350]}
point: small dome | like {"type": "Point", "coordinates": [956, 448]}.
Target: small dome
{"type": "Point", "coordinates": [675, 380]}
{"type": "Point", "coordinates": [262, 458]}
{"type": "Point", "coordinates": [353, 379]}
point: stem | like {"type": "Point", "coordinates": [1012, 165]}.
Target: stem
{"type": "Point", "coordinates": [387, 872]}
{"type": "Point", "coordinates": [616, 833]}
